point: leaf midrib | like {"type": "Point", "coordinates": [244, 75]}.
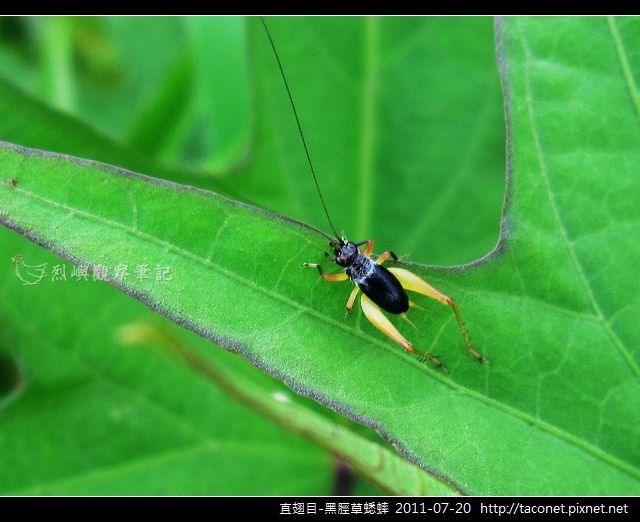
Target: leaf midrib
{"type": "Point", "coordinates": [493, 403]}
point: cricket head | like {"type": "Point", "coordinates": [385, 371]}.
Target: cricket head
{"type": "Point", "coordinates": [345, 251]}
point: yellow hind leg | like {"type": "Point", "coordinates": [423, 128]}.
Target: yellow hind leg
{"type": "Point", "coordinates": [380, 321]}
{"type": "Point", "coordinates": [413, 283]}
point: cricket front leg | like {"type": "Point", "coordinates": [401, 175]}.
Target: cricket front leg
{"type": "Point", "coordinates": [342, 276]}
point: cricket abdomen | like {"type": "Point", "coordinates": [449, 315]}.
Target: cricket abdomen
{"type": "Point", "coordinates": [379, 285]}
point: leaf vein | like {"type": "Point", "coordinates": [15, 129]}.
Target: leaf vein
{"type": "Point", "coordinates": [624, 63]}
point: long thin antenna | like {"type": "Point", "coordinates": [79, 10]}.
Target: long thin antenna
{"type": "Point", "coordinates": [295, 113]}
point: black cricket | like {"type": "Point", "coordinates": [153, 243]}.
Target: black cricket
{"type": "Point", "coordinates": [375, 281]}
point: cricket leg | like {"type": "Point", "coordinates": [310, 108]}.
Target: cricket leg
{"type": "Point", "coordinates": [352, 298]}
{"type": "Point", "coordinates": [368, 250]}
{"type": "Point", "coordinates": [384, 256]}
{"type": "Point", "coordinates": [342, 276]}
{"type": "Point", "coordinates": [412, 282]}
{"type": "Point", "coordinates": [380, 321]}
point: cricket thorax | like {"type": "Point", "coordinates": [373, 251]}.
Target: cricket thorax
{"type": "Point", "coordinates": [362, 268]}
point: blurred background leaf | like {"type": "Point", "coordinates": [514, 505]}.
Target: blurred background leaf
{"type": "Point", "coordinates": [152, 83]}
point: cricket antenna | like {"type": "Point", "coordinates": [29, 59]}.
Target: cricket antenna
{"type": "Point", "coordinates": [295, 113]}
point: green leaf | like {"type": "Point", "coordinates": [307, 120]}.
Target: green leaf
{"type": "Point", "coordinates": [126, 470]}
{"type": "Point", "coordinates": [552, 308]}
